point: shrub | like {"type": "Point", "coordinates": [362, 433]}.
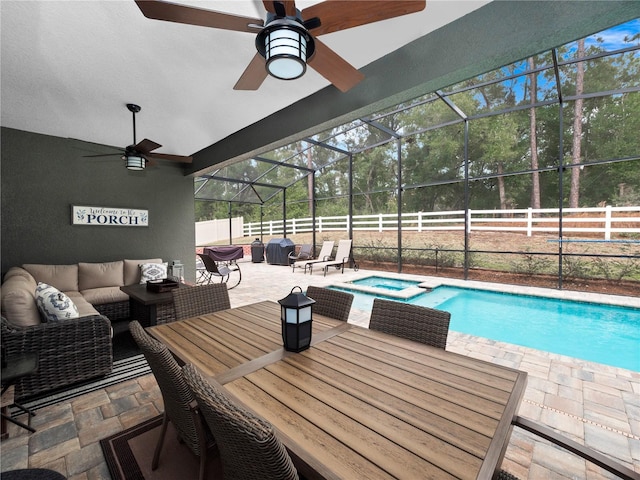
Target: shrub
{"type": "Point", "coordinates": [530, 264]}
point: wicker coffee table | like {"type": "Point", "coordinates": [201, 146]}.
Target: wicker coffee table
{"type": "Point", "coordinates": [149, 308]}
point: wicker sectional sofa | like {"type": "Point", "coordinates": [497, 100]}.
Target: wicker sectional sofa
{"type": "Point", "coordinates": [70, 349]}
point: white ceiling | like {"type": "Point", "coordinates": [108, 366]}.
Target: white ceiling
{"type": "Point", "coordinates": [69, 67]}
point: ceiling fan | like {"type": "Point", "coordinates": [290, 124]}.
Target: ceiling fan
{"type": "Point", "coordinates": [137, 155]}
{"type": "Point", "coordinates": [287, 41]}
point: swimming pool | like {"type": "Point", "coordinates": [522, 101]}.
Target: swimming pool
{"type": "Point", "coordinates": [589, 331]}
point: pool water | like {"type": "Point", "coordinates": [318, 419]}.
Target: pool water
{"type": "Point", "coordinates": [589, 331]}
{"type": "Point", "coordinates": [386, 283]}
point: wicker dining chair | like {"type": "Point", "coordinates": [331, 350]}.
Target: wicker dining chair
{"type": "Point", "coordinates": [422, 324]}
{"type": "Point", "coordinates": [504, 475]}
{"type": "Point", "coordinates": [248, 446]}
{"type": "Point", "coordinates": [194, 301]}
{"type": "Point", "coordinates": [331, 303]}
{"type": "Point", "coordinates": [177, 397]}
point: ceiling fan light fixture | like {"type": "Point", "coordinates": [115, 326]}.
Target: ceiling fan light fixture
{"type": "Point", "coordinates": [286, 54]}
{"type": "Point", "coordinates": [285, 44]}
{"type": "Point", "coordinates": [134, 162]}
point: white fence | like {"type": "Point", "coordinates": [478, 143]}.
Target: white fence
{"type": "Point", "coordinates": [212, 231]}
{"type": "Point", "coordinates": [597, 221]}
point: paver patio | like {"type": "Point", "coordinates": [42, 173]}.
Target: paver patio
{"type": "Point", "coordinates": [591, 403]}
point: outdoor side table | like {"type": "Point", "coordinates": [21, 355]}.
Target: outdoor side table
{"type": "Point", "coordinates": [149, 308]}
{"type": "Point", "coordinates": [16, 368]}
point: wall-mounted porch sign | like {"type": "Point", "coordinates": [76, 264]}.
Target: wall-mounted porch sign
{"type": "Point", "coordinates": [123, 217]}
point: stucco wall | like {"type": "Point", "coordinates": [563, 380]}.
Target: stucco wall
{"type": "Point", "coordinates": [43, 176]}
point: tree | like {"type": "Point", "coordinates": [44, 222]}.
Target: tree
{"type": "Point", "coordinates": [574, 194]}
{"type": "Point", "coordinates": [533, 136]}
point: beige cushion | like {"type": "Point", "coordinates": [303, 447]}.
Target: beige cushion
{"type": "Point", "coordinates": [96, 275]}
{"type": "Point", "coordinates": [84, 308]}
{"type": "Point", "coordinates": [19, 301]}
{"type": "Point", "coordinates": [98, 296]}
{"type": "Point", "coordinates": [132, 269]}
{"type": "Point", "coordinates": [18, 271]}
{"type": "Point", "coordinates": [63, 277]}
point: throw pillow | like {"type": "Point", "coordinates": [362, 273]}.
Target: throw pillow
{"type": "Point", "coordinates": [132, 269]}
{"type": "Point", "coordinates": [153, 271]}
{"type": "Point", "coordinates": [53, 304]}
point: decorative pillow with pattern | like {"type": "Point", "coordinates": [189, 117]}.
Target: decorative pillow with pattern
{"type": "Point", "coordinates": [53, 304]}
{"type": "Point", "coordinates": [153, 271]}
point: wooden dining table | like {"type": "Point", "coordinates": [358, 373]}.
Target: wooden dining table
{"type": "Point", "coordinates": [358, 403]}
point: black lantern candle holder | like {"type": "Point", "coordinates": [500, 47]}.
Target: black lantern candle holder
{"type": "Point", "coordinates": [296, 317]}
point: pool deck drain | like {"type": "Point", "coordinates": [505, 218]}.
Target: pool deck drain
{"type": "Point", "coordinates": [582, 419]}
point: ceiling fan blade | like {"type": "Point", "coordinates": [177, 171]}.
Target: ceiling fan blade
{"type": "Point", "coordinates": [253, 75]}
{"type": "Point", "coordinates": [172, 12]}
{"type": "Point", "coordinates": [104, 155]}
{"type": "Point", "coordinates": [167, 156]}
{"type": "Point", "coordinates": [312, 23]}
{"type": "Point", "coordinates": [334, 68]}
{"type": "Point", "coordinates": [146, 145]}
{"type": "Point", "coordinates": [342, 14]}
{"type": "Point", "coordinates": [272, 7]}
{"type": "Point", "coordinates": [148, 162]}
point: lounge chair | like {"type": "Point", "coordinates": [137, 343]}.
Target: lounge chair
{"type": "Point", "coordinates": [213, 270]}
{"type": "Point", "coordinates": [343, 256]}
{"type": "Point", "coordinates": [305, 253]}
{"type": "Point", "coordinates": [323, 256]}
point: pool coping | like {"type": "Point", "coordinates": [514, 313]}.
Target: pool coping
{"type": "Point", "coordinates": [404, 294]}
